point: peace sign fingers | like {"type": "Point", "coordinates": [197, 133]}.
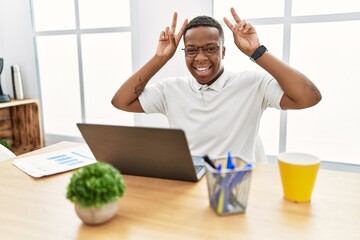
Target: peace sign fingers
{"type": "Point", "coordinates": [245, 36]}
{"type": "Point", "coordinates": [240, 25]}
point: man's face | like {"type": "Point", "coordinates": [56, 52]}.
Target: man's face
{"type": "Point", "coordinates": [205, 68]}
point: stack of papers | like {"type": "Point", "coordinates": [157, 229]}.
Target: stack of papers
{"type": "Point", "coordinates": [56, 161]}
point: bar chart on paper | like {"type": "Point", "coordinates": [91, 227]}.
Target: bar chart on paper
{"type": "Point", "coordinates": [55, 162]}
{"type": "Point", "coordinates": [71, 159]}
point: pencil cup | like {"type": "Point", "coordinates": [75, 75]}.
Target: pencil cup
{"type": "Point", "coordinates": [298, 173]}
{"type": "Point", "coordinates": [228, 188]}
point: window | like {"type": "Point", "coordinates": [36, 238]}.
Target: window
{"type": "Point", "coordinates": [332, 129]}
{"type": "Point", "coordinates": [249, 9]}
{"type": "Point", "coordinates": [84, 55]}
{"type": "Point", "coordinates": [317, 37]}
{"type": "Point", "coordinates": [312, 7]}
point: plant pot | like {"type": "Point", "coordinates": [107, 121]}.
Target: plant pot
{"type": "Point", "coordinates": [95, 216]}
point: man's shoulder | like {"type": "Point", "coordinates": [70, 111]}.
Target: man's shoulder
{"type": "Point", "coordinates": [244, 73]}
{"type": "Point", "coordinates": [250, 75]}
{"type": "Point", "coordinates": [175, 80]}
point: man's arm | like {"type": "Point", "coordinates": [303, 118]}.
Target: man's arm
{"type": "Point", "coordinates": [126, 98]}
{"type": "Point", "coordinates": [299, 91]}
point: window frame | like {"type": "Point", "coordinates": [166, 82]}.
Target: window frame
{"type": "Point", "coordinates": [78, 32]}
{"type": "Point", "coordinates": [288, 20]}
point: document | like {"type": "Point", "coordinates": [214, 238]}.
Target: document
{"type": "Point", "coordinates": [55, 162]}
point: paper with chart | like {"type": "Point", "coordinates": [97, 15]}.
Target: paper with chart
{"type": "Point", "coordinates": [56, 161]}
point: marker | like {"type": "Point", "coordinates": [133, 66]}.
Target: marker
{"type": "Point", "coordinates": [229, 164]}
{"type": "Point", "coordinates": [219, 167]}
{"type": "Point", "coordinates": [208, 161]}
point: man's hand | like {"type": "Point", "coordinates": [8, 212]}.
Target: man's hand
{"type": "Point", "coordinates": [245, 36]}
{"type": "Point", "coordinates": [168, 40]}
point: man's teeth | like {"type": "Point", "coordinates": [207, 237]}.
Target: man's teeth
{"type": "Point", "coordinates": [202, 69]}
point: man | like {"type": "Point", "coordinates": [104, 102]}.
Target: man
{"type": "Point", "coordinates": [219, 111]}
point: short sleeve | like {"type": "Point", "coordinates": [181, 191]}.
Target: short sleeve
{"type": "Point", "coordinates": [152, 99]}
{"type": "Point", "coordinates": [272, 92]}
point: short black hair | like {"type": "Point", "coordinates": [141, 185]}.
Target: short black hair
{"type": "Point", "coordinates": [205, 21]}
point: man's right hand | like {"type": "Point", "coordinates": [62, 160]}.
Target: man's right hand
{"type": "Point", "coordinates": [168, 40]}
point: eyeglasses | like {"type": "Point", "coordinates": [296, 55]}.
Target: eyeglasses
{"type": "Point", "coordinates": [208, 50]}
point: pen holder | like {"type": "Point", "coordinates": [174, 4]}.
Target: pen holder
{"type": "Point", "coordinates": [229, 188]}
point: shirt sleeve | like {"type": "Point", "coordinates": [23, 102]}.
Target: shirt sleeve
{"type": "Point", "coordinates": [272, 92]}
{"type": "Point", "coordinates": [152, 99]}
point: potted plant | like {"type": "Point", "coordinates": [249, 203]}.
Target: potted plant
{"type": "Point", "coordinates": [95, 189]}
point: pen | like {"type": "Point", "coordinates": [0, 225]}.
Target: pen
{"type": "Point", "coordinates": [223, 199]}
{"type": "Point", "coordinates": [229, 164]}
{"type": "Point", "coordinates": [226, 187]}
{"type": "Point", "coordinates": [208, 161]}
{"type": "Point", "coordinates": [240, 175]}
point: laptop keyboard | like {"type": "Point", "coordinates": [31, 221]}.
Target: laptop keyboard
{"type": "Point", "coordinates": [198, 168]}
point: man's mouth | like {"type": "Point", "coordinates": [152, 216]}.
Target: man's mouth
{"type": "Point", "coordinates": [202, 69]}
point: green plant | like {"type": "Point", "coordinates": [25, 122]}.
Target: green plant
{"type": "Point", "coordinates": [95, 185]}
{"type": "Point", "coordinates": [5, 143]}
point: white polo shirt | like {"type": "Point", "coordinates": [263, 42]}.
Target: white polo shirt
{"type": "Point", "coordinates": [222, 117]}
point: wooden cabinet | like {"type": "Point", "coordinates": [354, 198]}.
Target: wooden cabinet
{"type": "Point", "coordinates": [20, 125]}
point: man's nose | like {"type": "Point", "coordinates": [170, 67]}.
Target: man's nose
{"type": "Point", "coordinates": [200, 53]}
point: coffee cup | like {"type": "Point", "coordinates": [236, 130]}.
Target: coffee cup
{"type": "Point", "coordinates": [298, 173]}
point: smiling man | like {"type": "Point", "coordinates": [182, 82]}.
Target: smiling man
{"type": "Point", "coordinates": [219, 111]}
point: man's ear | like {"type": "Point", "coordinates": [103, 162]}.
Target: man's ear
{"type": "Point", "coordinates": [223, 52]}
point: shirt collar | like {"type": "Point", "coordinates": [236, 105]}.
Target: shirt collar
{"type": "Point", "coordinates": [216, 86]}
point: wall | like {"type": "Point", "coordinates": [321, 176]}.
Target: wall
{"type": "Point", "coordinates": [16, 45]}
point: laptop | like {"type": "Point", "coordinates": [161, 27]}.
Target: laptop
{"type": "Point", "coordinates": [144, 151]}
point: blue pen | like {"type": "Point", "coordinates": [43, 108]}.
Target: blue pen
{"type": "Point", "coordinates": [225, 190]}
{"type": "Point", "coordinates": [219, 167]}
{"type": "Point", "coordinates": [229, 164]}
{"type": "Point", "coordinates": [239, 176]}
{"type": "Point", "coordinates": [236, 180]}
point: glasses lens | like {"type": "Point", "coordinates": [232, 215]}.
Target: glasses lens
{"type": "Point", "coordinates": [191, 51]}
{"type": "Point", "coordinates": [211, 50]}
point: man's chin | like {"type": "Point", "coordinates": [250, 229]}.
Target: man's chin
{"type": "Point", "coordinates": [201, 77]}
{"type": "Point", "coordinates": [202, 80]}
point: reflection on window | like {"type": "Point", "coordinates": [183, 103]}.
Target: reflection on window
{"type": "Point", "coordinates": [331, 129]}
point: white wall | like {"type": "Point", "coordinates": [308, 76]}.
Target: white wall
{"type": "Point", "coordinates": [150, 18]}
{"type": "Point", "coordinates": [16, 45]}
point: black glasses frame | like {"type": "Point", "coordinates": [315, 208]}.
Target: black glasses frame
{"type": "Point", "coordinates": [205, 50]}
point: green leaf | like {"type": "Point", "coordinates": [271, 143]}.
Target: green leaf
{"type": "Point", "coordinates": [95, 185]}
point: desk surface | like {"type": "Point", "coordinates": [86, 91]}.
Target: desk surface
{"type": "Point", "coordinates": [165, 209]}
